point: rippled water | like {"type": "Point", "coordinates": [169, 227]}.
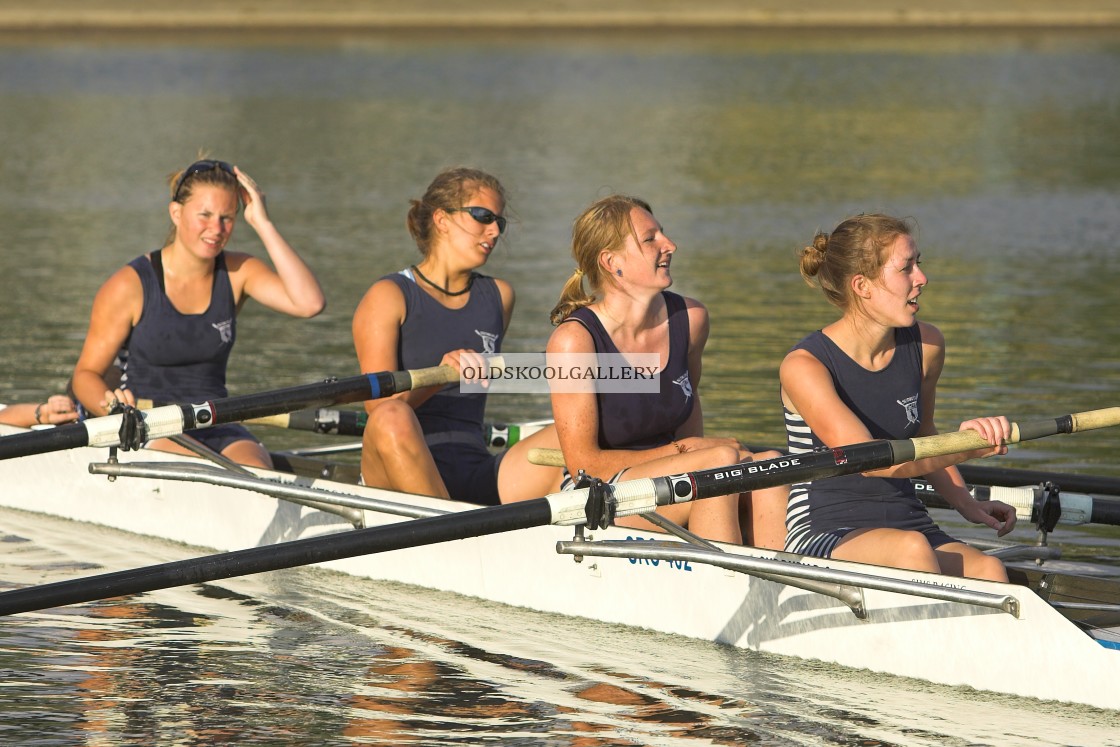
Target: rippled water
{"type": "Point", "coordinates": [1001, 146]}
{"type": "Point", "coordinates": [313, 657]}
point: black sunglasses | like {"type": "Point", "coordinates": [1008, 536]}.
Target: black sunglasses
{"type": "Point", "coordinates": [483, 215]}
{"type": "Point", "coordinates": [197, 168]}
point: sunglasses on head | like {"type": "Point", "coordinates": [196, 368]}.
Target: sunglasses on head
{"type": "Point", "coordinates": [197, 168]}
{"type": "Point", "coordinates": [483, 215]}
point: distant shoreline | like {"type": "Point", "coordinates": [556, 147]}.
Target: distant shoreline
{"type": "Point", "coordinates": [553, 15]}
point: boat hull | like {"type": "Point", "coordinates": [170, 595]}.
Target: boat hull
{"type": "Point", "coordinates": [945, 642]}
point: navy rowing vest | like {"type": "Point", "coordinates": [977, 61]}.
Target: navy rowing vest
{"type": "Point", "coordinates": [430, 330]}
{"type": "Point", "coordinates": [888, 402]}
{"type": "Point", "coordinates": [176, 357]}
{"type": "Point", "coordinates": [636, 420]}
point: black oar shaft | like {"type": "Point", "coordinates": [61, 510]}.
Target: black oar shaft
{"type": "Point", "coordinates": [1105, 512]}
{"type": "Point", "coordinates": [981, 474]}
{"type": "Point", "coordinates": [814, 465]}
{"type": "Point", "coordinates": [170, 420]}
{"type": "Point", "coordinates": [412, 533]}
{"type": "Point", "coordinates": [352, 389]}
{"type": "Point", "coordinates": [58, 438]}
{"type": "Point", "coordinates": [339, 422]}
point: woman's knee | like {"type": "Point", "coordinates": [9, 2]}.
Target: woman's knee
{"type": "Point", "coordinates": [899, 548]}
{"type": "Point", "coordinates": [717, 456]}
{"type": "Point", "coordinates": [251, 453]}
{"type": "Point", "coordinates": [911, 544]}
{"type": "Point", "coordinates": [986, 566]}
{"type": "Point", "coordinates": [392, 423]}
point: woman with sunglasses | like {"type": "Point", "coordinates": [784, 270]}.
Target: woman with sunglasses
{"type": "Point", "coordinates": [873, 374]}
{"type": "Point", "coordinates": [441, 311]}
{"type": "Point", "coordinates": [174, 310]}
{"type": "Point", "coordinates": [622, 251]}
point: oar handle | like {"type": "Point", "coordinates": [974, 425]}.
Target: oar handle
{"type": "Point", "coordinates": [950, 443]}
{"type": "Point", "coordinates": [546, 457]}
{"type": "Point", "coordinates": [438, 375]}
{"type": "Point", "coordinates": [283, 420]}
{"type": "Point", "coordinates": [1087, 421]}
{"type": "Point", "coordinates": [955, 443]}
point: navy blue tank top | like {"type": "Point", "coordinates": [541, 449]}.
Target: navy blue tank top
{"type": "Point", "coordinates": [176, 357]}
{"type": "Point", "coordinates": [635, 420]}
{"type": "Point", "coordinates": [889, 403]}
{"type": "Point", "coordinates": [430, 330]}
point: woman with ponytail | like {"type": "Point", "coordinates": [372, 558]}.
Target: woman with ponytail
{"type": "Point", "coordinates": [623, 256]}
{"type": "Point", "coordinates": [873, 374]}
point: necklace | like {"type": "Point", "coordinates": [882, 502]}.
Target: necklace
{"type": "Point", "coordinates": [440, 288]}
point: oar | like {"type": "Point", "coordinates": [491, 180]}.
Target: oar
{"type": "Point", "coordinates": [322, 420]}
{"type": "Point", "coordinates": [594, 506]}
{"type": "Point", "coordinates": [1044, 506]}
{"type": "Point", "coordinates": [983, 474]}
{"type": "Point", "coordinates": [1030, 502]}
{"type": "Point", "coordinates": [979, 476]}
{"type": "Point", "coordinates": [976, 474]}
{"type": "Point", "coordinates": [171, 420]}
{"type": "Point", "coordinates": [332, 420]}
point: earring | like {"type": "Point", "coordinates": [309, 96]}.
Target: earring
{"type": "Point", "coordinates": [618, 272]}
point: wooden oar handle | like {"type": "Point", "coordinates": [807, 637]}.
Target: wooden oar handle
{"type": "Point", "coordinates": [547, 457]}
{"type": "Point", "coordinates": [446, 374]}
{"type": "Point", "coordinates": [1105, 418]}
{"type": "Point", "coordinates": [951, 443]}
{"type": "Point", "coordinates": [954, 443]}
{"type": "Point", "coordinates": [423, 377]}
{"type": "Point", "coordinates": [282, 420]}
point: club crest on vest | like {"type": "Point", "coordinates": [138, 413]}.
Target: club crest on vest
{"type": "Point", "coordinates": [225, 329]}
{"type": "Point", "coordinates": [910, 404]}
{"type": "Point", "coordinates": [488, 340]}
{"type": "Point", "coordinates": [685, 384]}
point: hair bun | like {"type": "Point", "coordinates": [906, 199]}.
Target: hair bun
{"type": "Point", "coordinates": [820, 243]}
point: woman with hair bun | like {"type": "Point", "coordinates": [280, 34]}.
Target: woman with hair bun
{"type": "Point", "coordinates": [623, 254]}
{"type": "Point", "coordinates": [873, 374]}
{"type": "Point", "coordinates": [441, 311]}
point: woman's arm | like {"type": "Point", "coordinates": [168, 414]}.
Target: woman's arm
{"type": "Point", "coordinates": [505, 290]}
{"type": "Point", "coordinates": [56, 410]}
{"type": "Point", "coordinates": [292, 287]}
{"type": "Point", "coordinates": [947, 480]}
{"type": "Point", "coordinates": [116, 310]}
{"type": "Point", "coordinates": [377, 328]}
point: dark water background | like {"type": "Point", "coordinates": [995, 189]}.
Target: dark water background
{"type": "Point", "coordinates": [1002, 146]}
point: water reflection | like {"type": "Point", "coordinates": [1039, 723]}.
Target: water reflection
{"type": "Point", "coordinates": [311, 656]}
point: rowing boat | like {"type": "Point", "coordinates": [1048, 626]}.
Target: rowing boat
{"type": "Point", "coordinates": [1047, 635]}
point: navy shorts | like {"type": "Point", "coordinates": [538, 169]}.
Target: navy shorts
{"type": "Point", "coordinates": [469, 471]}
{"type": "Point", "coordinates": [221, 436]}
{"type": "Point", "coordinates": [822, 544]}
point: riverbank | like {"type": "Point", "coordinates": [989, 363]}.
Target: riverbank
{"type": "Point", "coordinates": [372, 15]}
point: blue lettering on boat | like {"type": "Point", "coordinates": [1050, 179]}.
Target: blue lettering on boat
{"type": "Point", "coordinates": [677, 565]}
